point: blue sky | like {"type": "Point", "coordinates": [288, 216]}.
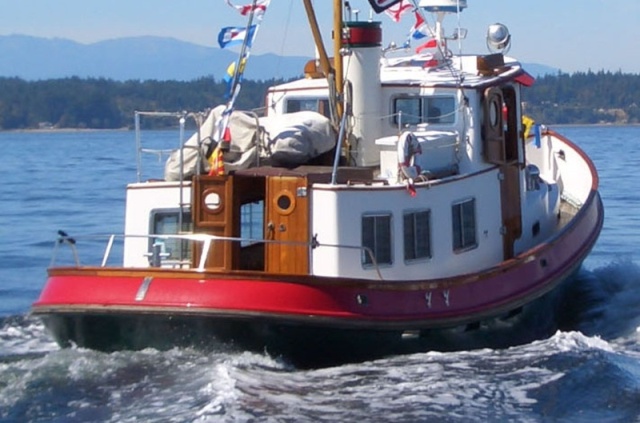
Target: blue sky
{"type": "Point", "coordinates": [573, 35]}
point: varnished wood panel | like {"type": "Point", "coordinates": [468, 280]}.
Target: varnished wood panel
{"type": "Point", "coordinates": [511, 213]}
{"type": "Point", "coordinates": [214, 221]}
{"type": "Point", "coordinates": [287, 220]}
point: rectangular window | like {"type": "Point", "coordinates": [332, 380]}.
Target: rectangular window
{"type": "Point", "coordinates": [376, 237]}
{"type": "Point", "coordinates": [251, 222]}
{"type": "Point", "coordinates": [417, 235]}
{"type": "Point", "coordinates": [319, 105]}
{"type": "Point", "coordinates": [441, 110]}
{"type": "Point", "coordinates": [463, 215]}
{"type": "Point", "coordinates": [407, 111]}
{"type": "Point", "coordinates": [167, 222]}
{"type": "Point", "coordinates": [430, 109]}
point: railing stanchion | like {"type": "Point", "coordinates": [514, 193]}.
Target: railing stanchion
{"type": "Point", "coordinates": [107, 251]}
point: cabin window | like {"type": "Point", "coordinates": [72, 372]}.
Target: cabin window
{"type": "Point", "coordinates": [251, 223]}
{"type": "Point", "coordinates": [167, 222]}
{"type": "Point", "coordinates": [376, 239]}
{"type": "Point", "coordinates": [463, 216]}
{"type": "Point", "coordinates": [320, 105]}
{"type": "Point", "coordinates": [429, 109]}
{"type": "Point", "coordinates": [417, 235]}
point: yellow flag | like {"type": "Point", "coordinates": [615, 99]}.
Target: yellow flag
{"type": "Point", "coordinates": [216, 162]}
{"type": "Point", "coordinates": [527, 122]}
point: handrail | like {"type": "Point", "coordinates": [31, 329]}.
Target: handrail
{"type": "Point", "coordinates": [206, 239]}
{"type": "Point", "coordinates": [336, 158]}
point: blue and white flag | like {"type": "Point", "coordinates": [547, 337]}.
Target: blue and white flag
{"type": "Point", "coordinates": [420, 29]}
{"type": "Point", "coordinates": [233, 35]}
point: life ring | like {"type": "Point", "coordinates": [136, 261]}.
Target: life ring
{"type": "Point", "coordinates": [408, 148]}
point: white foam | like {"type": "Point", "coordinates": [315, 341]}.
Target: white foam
{"type": "Point", "coordinates": [24, 335]}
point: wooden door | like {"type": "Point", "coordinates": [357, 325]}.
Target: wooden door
{"type": "Point", "coordinates": [511, 213]}
{"type": "Point", "coordinates": [493, 126]}
{"type": "Point", "coordinates": [511, 171]}
{"type": "Point", "coordinates": [287, 223]}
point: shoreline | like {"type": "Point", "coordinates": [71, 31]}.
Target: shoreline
{"type": "Point", "coordinates": [62, 130]}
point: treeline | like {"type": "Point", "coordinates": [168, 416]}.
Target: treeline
{"type": "Point", "coordinates": [584, 98]}
{"type": "Point", "coordinates": [107, 104]}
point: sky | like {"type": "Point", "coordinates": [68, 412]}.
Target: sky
{"type": "Point", "coordinates": [571, 35]}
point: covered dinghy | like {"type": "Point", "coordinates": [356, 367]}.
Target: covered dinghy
{"type": "Point", "coordinates": [244, 129]}
{"type": "Point", "coordinates": [295, 138]}
{"type": "Point", "coordinates": [288, 141]}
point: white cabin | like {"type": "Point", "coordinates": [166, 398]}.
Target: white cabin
{"type": "Point", "coordinates": [477, 192]}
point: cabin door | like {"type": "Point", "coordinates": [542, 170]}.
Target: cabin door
{"type": "Point", "coordinates": [502, 147]}
{"type": "Point", "coordinates": [287, 225]}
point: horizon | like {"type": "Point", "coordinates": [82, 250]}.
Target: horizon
{"type": "Point", "coordinates": [569, 42]}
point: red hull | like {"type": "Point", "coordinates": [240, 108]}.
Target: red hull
{"type": "Point", "coordinates": [335, 303]}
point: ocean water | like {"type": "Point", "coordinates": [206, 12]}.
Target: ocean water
{"type": "Point", "coordinates": [74, 181]}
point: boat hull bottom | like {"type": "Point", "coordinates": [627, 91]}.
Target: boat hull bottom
{"type": "Point", "coordinates": [304, 346]}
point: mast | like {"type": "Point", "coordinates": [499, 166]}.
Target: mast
{"type": "Point", "coordinates": [325, 64]}
{"type": "Point", "coordinates": [337, 56]}
{"type": "Point", "coordinates": [335, 104]}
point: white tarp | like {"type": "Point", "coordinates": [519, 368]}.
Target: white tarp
{"type": "Point", "coordinates": [295, 138]}
{"type": "Point", "coordinates": [286, 140]}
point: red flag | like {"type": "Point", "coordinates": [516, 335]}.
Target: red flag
{"type": "Point", "coordinates": [396, 11]}
{"type": "Point", "coordinates": [382, 5]}
{"type": "Point", "coordinates": [259, 8]}
{"type": "Point", "coordinates": [431, 44]}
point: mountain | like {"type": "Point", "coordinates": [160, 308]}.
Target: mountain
{"type": "Point", "coordinates": [139, 58]}
{"type": "Point", "coordinates": [540, 70]}
{"type": "Point", "coordinates": [143, 58]}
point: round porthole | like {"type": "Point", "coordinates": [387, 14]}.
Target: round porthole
{"type": "Point", "coordinates": [212, 202]}
{"type": "Point", "coordinates": [494, 113]}
{"type": "Point", "coordinates": [284, 202]}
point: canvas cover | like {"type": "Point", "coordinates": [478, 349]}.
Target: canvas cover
{"type": "Point", "coordinates": [287, 140]}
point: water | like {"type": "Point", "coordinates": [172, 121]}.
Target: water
{"type": "Point", "coordinates": [75, 181]}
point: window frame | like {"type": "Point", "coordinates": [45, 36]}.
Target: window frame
{"type": "Point", "coordinates": [423, 108]}
{"type": "Point", "coordinates": [414, 238]}
{"type": "Point", "coordinates": [322, 105]}
{"type": "Point", "coordinates": [467, 209]}
{"type": "Point", "coordinates": [377, 246]}
{"type": "Point", "coordinates": [183, 247]}
{"type": "Point", "coordinates": [252, 221]}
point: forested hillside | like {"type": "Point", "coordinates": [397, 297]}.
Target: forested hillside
{"type": "Point", "coordinates": [601, 97]}
{"type": "Point", "coordinates": [108, 104]}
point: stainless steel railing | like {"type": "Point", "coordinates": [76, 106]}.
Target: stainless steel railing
{"type": "Point", "coordinates": [157, 258]}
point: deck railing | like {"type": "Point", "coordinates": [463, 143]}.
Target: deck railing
{"type": "Point", "coordinates": [158, 258]}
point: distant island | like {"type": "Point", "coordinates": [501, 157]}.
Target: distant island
{"type": "Point", "coordinates": [98, 103]}
{"type": "Point", "coordinates": [585, 98]}
{"type": "Point", "coordinates": [113, 78]}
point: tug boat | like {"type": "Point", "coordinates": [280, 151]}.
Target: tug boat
{"type": "Point", "coordinates": [379, 202]}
